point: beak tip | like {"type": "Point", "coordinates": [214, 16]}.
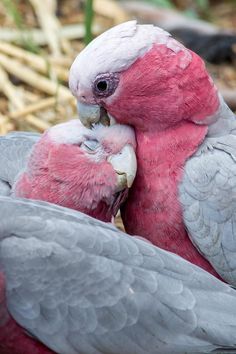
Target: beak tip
{"type": "Point", "coordinates": [125, 165]}
{"type": "Point", "coordinates": [88, 114]}
{"type": "Point", "coordinates": [130, 180]}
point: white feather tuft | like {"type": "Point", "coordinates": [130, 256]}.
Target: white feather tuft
{"type": "Point", "coordinates": [71, 132]}
{"type": "Point", "coordinates": [114, 51]}
{"type": "Point", "coordinates": [74, 132]}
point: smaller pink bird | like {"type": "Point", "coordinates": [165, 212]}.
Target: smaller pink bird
{"type": "Point", "coordinates": [70, 165]}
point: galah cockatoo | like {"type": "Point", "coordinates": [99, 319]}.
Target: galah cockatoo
{"type": "Point", "coordinates": [186, 136]}
{"type": "Point", "coordinates": [72, 166]}
{"type": "Point", "coordinates": [65, 165]}
{"type": "Point", "coordinates": [80, 285]}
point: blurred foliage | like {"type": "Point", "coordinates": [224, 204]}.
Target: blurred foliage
{"type": "Point", "coordinates": [194, 8]}
{"type": "Point", "coordinates": [88, 21]}
{"type": "Point", "coordinates": [203, 9]}
{"type": "Point", "coordinates": [12, 11]}
{"type": "Point", "coordinates": [203, 4]}
{"type": "Point", "coordinates": [163, 3]}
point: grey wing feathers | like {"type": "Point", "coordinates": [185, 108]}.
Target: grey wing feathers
{"type": "Point", "coordinates": [208, 197]}
{"type": "Point", "coordinates": [14, 151]}
{"type": "Point", "coordinates": [21, 134]}
{"type": "Point", "coordinates": [82, 286]}
{"type": "Point", "coordinates": [5, 188]}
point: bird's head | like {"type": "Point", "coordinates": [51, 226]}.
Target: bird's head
{"type": "Point", "coordinates": [84, 169]}
{"type": "Point", "coordinates": [140, 75]}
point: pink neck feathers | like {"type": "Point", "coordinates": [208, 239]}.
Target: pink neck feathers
{"type": "Point", "coordinates": [153, 210]}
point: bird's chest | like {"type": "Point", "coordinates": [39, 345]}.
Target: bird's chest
{"type": "Point", "coordinates": [153, 206]}
{"type": "Point", "coordinates": [153, 209]}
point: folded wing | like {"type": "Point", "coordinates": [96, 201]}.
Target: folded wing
{"type": "Point", "coordinates": [83, 286]}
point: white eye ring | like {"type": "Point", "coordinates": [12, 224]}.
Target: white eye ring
{"type": "Point", "coordinates": [90, 145]}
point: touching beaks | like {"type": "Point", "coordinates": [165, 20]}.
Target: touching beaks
{"type": "Point", "coordinates": [124, 163]}
{"type": "Point", "coordinates": [90, 114]}
{"type": "Point", "coordinates": [125, 166]}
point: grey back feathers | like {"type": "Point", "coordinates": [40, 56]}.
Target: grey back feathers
{"type": "Point", "coordinates": [15, 148]}
{"type": "Point", "coordinates": [83, 286]}
{"type": "Point", "coordinates": [208, 196]}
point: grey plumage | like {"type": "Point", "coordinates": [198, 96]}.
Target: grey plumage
{"type": "Point", "coordinates": [83, 286]}
{"type": "Point", "coordinates": [208, 196]}
{"type": "Point", "coordinates": [15, 148]}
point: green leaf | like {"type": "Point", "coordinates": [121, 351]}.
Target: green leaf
{"type": "Point", "coordinates": [203, 5]}
{"type": "Point", "coordinates": [88, 21]}
{"type": "Point", "coordinates": [163, 3]}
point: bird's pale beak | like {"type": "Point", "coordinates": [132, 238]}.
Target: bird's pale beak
{"type": "Point", "coordinates": [88, 113]}
{"type": "Point", "coordinates": [125, 166]}
{"type": "Point", "coordinates": [92, 113]}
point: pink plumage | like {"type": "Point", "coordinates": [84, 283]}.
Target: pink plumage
{"type": "Point", "coordinates": [166, 94]}
{"type": "Point", "coordinates": [63, 173]}
{"type": "Point", "coordinates": [157, 93]}
{"type": "Point", "coordinates": [162, 101]}
{"type": "Point", "coordinates": [68, 166]}
{"type": "Point", "coordinates": [162, 115]}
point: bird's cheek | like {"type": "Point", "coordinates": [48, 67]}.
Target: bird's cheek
{"type": "Point", "coordinates": [121, 107]}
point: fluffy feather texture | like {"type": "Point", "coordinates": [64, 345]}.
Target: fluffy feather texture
{"type": "Point", "coordinates": [59, 167]}
{"type": "Point", "coordinates": [170, 99]}
{"type": "Point", "coordinates": [113, 45]}
{"type": "Point", "coordinates": [62, 169]}
{"type": "Point", "coordinates": [14, 151]}
{"type": "Point", "coordinates": [13, 338]}
{"type": "Point", "coordinates": [122, 44]}
{"type": "Point", "coordinates": [83, 286]}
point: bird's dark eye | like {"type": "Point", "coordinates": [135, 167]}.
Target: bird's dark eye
{"type": "Point", "coordinates": [105, 84]}
{"type": "Point", "coordinates": [102, 85]}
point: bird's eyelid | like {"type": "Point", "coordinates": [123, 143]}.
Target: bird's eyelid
{"type": "Point", "coordinates": [92, 145]}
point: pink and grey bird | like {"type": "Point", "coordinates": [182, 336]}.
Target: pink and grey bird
{"type": "Point", "coordinates": [81, 169]}
{"type": "Point", "coordinates": [80, 285]}
{"type": "Point", "coordinates": [71, 166]}
{"type": "Point", "coordinates": [186, 140]}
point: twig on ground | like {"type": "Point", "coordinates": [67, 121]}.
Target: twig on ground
{"type": "Point", "coordinates": [10, 91]}
{"type": "Point", "coordinates": [69, 32]}
{"type": "Point", "coordinates": [32, 78]}
{"type": "Point", "coordinates": [111, 9]}
{"type": "Point", "coordinates": [45, 11]}
{"type": "Point", "coordinates": [5, 125]}
{"type": "Point", "coordinates": [43, 65]}
{"type": "Point", "coordinates": [34, 107]}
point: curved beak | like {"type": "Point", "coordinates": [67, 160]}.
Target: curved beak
{"type": "Point", "coordinates": [88, 113]}
{"type": "Point", "coordinates": [92, 113]}
{"type": "Point", "coordinates": [125, 166]}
